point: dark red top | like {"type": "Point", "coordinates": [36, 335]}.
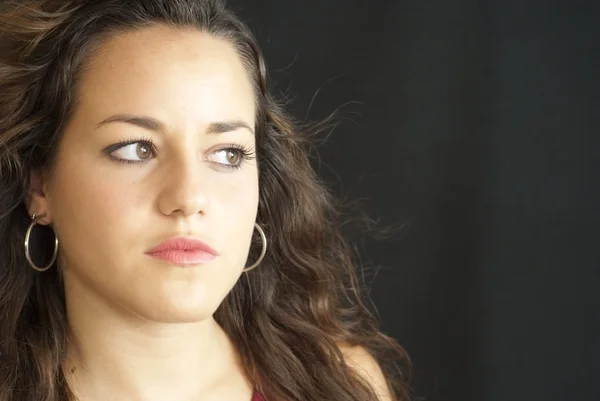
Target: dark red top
{"type": "Point", "coordinates": [257, 397]}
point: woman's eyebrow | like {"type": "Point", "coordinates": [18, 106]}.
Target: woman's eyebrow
{"type": "Point", "coordinates": [220, 127]}
{"type": "Point", "coordinates": [156, 125]}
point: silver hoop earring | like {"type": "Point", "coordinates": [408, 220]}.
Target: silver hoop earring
{"type": "Point", "coordinates": [264, 249]}
{"type": "Point", "coordinates": [34, 219]}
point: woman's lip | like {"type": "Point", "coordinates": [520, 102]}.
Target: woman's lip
{"type": "Point", "coordinates": [179, 257]}
{"type": "Point", "coordinates": [183, 244]}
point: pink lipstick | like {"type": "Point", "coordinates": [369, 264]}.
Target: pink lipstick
{"type": "Point", "coordinates": [183, 251]}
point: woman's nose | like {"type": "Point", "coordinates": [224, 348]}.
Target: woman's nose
{"type": "Point", "coordinates": [185, 188]}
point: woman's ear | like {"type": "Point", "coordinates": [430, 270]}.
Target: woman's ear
{"type": "Point", "coordinates": [36, 198]}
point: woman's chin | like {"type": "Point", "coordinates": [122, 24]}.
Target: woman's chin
{"type": "Point", "coordinates": [178, 308]}
{"type": "Point", "coordinates": [178, 314]}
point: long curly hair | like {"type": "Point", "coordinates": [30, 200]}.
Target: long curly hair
{"type": "Point", "coordinates": [286, 318]}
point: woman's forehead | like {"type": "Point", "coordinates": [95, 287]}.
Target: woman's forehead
{"type": "Point", "coordinates": [169, 74]}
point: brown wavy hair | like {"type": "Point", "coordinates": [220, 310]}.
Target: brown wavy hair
{"type": "Point", "coordinates": [286, 318]}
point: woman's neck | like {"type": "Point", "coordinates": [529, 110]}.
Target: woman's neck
{"type": "Point", "coordinates": [116, 355]}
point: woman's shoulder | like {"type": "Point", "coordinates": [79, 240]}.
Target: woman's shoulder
{"type": "Point", "coordinates": [359, 359]}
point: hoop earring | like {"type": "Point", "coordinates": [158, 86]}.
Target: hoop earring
{"type": "Point", "coordinates": [34, 219]}
{"type": "Point", "coordinates": [264, 249]}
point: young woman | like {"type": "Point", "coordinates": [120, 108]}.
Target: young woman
{"type": "Point", "coordinates": [162, 234]}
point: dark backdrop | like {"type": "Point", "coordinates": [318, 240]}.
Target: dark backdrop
{"type": "Point", "coordinates": [477, 124]}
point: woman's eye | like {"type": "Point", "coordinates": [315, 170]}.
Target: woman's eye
{"type": "Point", "coordinates": [230, 157]}
{"type": "Point", "coordinates": [134, 152]}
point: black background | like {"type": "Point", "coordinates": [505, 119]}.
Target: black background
{"type": "Point", "coordinates": [477, 124]}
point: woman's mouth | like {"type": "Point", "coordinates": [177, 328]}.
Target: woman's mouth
{"type": "Point", "coordinates": [183, 251]}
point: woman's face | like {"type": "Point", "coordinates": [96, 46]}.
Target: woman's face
{"type": "Point", "coordinates": [192, 99]}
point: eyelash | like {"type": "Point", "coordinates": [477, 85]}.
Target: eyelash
{"type": "Point", "coordinates": [244, 151]}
